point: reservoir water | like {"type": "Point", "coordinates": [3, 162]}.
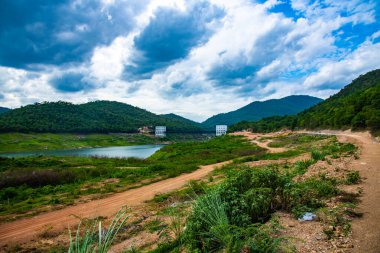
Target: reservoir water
{"type": "Point", "coordinates": [139, 151]}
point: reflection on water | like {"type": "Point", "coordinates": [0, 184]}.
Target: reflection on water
{"type": "Point", "coordinates": [140, 151]}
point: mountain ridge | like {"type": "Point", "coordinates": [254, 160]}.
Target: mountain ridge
{"type": "Point", "coordinates": [91, 117]}
{"type": "Point", "coordinates": [355, 106]}
{"type": "Point", "coordinates": [261, 109]}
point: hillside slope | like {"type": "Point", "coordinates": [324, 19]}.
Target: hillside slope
{"type": "Point", "coordinates": [258, 110]}
{"type": "Point", "coordinates": [4, 109]}
{"type": "Point", "coordinates": [92, 117]}
{"type": "Point", "coordinates": [356, 106]}
{"type": "Point", "coordinates": [181, 119]}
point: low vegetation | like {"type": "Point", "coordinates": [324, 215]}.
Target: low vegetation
{"type": "Point", "coordinates": [239, 214]}
{"type": "Point", "coordinates": [32, 182]}
{"type": "Point", "coordinates": [235, 209]}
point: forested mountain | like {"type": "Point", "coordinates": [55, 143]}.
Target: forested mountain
{"type": "Point", "coordinates": [4, 109]}
{"type": "Point", "coordinates": [98, 116]}
{"type": "Point", "coordinates": [182, 119]}
{"type": "Point", "coordinates": [258, 110]}
{"type": "Point", "coordinates": [356, 106]}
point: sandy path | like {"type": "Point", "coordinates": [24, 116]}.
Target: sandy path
{"type": "Point", "coordinates": [28, 228]}
{"type": "Point", "coordinates": [366, 230]}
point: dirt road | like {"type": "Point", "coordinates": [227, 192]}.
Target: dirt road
{"type": "Point", "coordinates": [366, 230]}
{"type": "Point", "coordinates": [28, 228]}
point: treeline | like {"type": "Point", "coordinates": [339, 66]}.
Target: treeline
{"type": "Point", "coordinates": [92, 117]}
{"type": "Point", "coordinates": [357, 106]}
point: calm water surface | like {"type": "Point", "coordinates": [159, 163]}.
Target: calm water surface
{"type": "Point", "coordinates": [140, 151]}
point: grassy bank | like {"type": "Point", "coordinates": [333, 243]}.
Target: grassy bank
{"type": "Point", "coordinates": [15, 142]}
{"type": "Point", "coordinates": [26, 184]}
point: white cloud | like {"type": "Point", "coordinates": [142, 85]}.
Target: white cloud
{"type": "Point", "coordinates": [288, 56]}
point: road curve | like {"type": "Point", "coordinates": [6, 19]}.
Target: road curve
{"type": "Point", "coordinates": [28, 228]}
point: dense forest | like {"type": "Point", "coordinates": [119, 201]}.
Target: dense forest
{"type": "Point", "coordinates": [92, 117]}
{"type": "Point", "coordinates": [356, 106]}
{"type": "Point", "coordinates": [260, 109]}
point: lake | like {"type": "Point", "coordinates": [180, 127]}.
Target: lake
{"type": "Point", "coordinates": [139, 151]}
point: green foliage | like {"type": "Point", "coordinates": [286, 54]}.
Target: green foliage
{"type": "Point", "coordinates": [356, 106]}
{"type": "Point", "coordinates": [231, 216]}
{"type": "Point", "coordinates": [92, 117]}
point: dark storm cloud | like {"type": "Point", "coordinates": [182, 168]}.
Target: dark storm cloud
{"type": "Point", "coordinates": [71, 82]}
{"type": "Point", "coordinates": [58, 32]}
{"type": "Point", "coordinates": [170, 36]}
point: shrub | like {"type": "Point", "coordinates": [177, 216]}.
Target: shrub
{"type": "Point", "coordinates": [207, 225]}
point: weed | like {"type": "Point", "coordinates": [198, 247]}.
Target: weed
{"type": "Point", "coordinates": [155, 225]}
{"type": "Point", "coordinates": [353, 177]}
{"type": "Point", "coordinates": [316, 155]}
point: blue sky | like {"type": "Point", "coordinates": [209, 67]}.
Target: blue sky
{"type": "Point", "coordinates": [193, 58]}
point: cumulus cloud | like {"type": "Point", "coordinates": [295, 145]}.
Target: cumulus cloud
{"type": "Point", "coordinates": [170, 35]}
{"type": "Point", "coordinates": [195, 58]}
{"type": "Point", "coordinates": [56, 32]}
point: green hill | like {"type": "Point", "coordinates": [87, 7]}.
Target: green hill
{"type": "Point", "coordinates": [4, 109]}
{"type": "Point", "coordinates": [258, 110]}
{"type": "Point", "coordinates": [356, 106]}
{"type": "Point", "coordinates": [181, 119]}
{"type": "Point", "coordinates": [92, 117]}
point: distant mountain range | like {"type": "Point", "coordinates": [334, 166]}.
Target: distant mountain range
{"type": "Point", "coordinates": [356, 106]}
{"type": "Point", "coordinates": [4, 109]}
{"type": "Point", "coordinates": [258, 110]}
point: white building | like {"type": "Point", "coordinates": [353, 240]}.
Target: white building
{"type": "Point", "coordinates": [160, 131]}
{"type": "Point", "coordinates": [221, 130]}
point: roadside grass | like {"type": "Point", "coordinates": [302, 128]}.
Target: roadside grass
{"type": "Point", "coordinates": [238, 215]}
{"type": "Point", "coordinates": [292, 140]}
{"type": "Point", "coordinates": [32, 182]}
{"type": "Point", "coordinates": [94, 237]}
